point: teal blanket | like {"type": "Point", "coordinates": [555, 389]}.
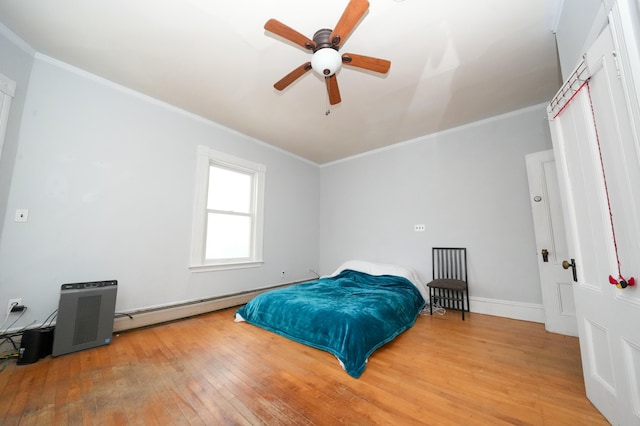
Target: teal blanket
{"type": "Point", "coordinates": [349, 315]}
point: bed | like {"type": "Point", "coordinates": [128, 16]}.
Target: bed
{"type": "Point", "coordinates": [350, 313]}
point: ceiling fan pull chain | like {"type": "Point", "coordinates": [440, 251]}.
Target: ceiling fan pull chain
{"type": "Point", "coordinates": [326, 102]}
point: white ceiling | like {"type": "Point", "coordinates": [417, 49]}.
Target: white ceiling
{"type": "Point", "coordinates": [452, 62]}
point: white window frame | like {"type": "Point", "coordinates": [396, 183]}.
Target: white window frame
{"type": "Point", "coordinates": [7, 92]}
{"type": "Point", "coordinates": [206, 158]}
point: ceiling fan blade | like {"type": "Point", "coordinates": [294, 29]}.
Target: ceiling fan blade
{"type": "Point", "coordinates": [289, 33]}
{"type": "Point", "coordinates": [366, 62]}
{"type": "Point", "coordinates": [292, 76]}
{"type": "Point", "coordinates": [332, 89]}
{"type": "Point", "coordinates": [354, 11]}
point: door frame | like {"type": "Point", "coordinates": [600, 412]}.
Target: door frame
{"type": "Point", "coordinates": [550, 234]}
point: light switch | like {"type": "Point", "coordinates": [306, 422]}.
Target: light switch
{"type": "Point", "coordinates": [22, 215]}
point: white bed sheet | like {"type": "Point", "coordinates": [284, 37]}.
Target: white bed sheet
{"type": "Point", "coordinates": [374, 268]}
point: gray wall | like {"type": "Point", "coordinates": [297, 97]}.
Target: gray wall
{"type": "Point", "coordinates": [579, 24]}
{"type": "Point", "coordinates": [108, 177]}
{"type": "Point", "coordinates": [468, 186]}
{"type": "Point", "coordinates": [15, 63]}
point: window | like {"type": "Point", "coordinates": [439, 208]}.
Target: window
{"type": "Point", "coordinates": [7, 90]}
{"type": "Point", "coordinates": [227, 231]}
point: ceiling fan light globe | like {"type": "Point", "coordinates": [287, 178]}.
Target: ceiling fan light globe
{"type": "Point", "coordinates": [326, 61]}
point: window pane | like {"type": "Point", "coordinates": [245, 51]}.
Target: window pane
{"type": "Point", "coordinates": [228, 236]}
{"type": "Point", "coordinates": [229, 190]}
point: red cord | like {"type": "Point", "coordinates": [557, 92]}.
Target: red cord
{"type": "Point", "coordinates": [571, 98]}
{"type": "Point", "coordinates": [604, 177]}
{"type": "Point", "coordinates": [620, 282]}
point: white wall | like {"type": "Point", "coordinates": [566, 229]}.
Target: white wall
{"type": "Point", "coordinates": [468, 186]}
{"type": "Point", "coordinates": [579, 25]}
{"type": "Point", "coordinates": [108, 177]}
{"type": "Point", "coordinates": [15, 63]}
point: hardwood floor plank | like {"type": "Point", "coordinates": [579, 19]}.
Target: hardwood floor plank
{"type": "Point", "coordinates": [210, 370]}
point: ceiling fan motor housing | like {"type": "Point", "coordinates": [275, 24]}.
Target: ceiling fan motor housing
{"type": "Point", "coordinates": [326, 60]}
{"type": "Point", "coordinates": [321, 39]}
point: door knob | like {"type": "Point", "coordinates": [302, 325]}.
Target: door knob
{"type": "Point", "coordinates": [572, 265]}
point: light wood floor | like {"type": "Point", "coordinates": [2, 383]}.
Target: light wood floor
{"type": "Point", "coordinates": [210, 370]}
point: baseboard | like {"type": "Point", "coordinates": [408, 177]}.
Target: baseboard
{"type": "Point", "coordinates": [506, 308]}
{"type": "Point", "coordinates": [146, 317]}
{"type": "Point", "coordinates": [157, 315]}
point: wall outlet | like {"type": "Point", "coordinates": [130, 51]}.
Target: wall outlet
{"type": "Point", "coordinates": [419, 228]}
{"type": "Point", "coordinates": [11, 303]}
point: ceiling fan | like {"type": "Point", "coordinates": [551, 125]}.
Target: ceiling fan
{"type": "Point", "coordinates": [326, 43]}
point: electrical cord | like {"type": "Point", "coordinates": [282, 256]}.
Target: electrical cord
{"type": "Point", "coordinates": [15, 321]}
{"type": "Point", "coordinates": [6, 318]}
{"type": "Point", "coordinates": [7, 337]}
{"type": "Point", "coordinates": [436, 309]}
{"type": "Point", "coordinates": [50, 318]}
{"type": "Point", "coordinates": [24, 328]}
{"type": "Point", "coordinates": [7, 357]}
{"type": "Point", "coordinates": [12, 352]}
{"type": "Point", "coordinates": [439, 309]}
{"type": "Point", "coordinates": [6, 334]}
{"type": "Point", "coordinates": [10, 340]}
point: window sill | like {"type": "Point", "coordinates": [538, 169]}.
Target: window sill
{"type": "Point", "coordinates": [225, 266]}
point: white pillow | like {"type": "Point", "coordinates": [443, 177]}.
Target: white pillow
{"type": "Point", "coordinates": [372, 268]}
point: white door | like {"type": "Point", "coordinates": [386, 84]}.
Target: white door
{"type": "Point", "coordinates": [594, 142]}
{"type": "Point", "coordinates": [551, 242]}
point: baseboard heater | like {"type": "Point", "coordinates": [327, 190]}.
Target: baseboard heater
{"type": "Point", "coordinates": [85, 316]}
{"type": "Point", "coordinates": [157, 315]}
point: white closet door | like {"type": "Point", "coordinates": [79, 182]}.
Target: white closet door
{"type": "Point", "coordinates": [597, 152]}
